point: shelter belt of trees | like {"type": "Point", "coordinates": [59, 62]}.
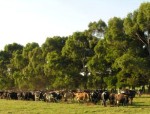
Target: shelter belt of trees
{"type": "Point", "coordinates": [110, 55]}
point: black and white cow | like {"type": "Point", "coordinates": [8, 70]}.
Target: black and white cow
{"type": "Point", "coordinates": [104, 97]}
{"type": "Point", "coordinates": [52, 96]}
{"type": "Point", "coordinates": [95, 96]}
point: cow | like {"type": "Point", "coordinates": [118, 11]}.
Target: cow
{"type": "Point", "coordinates": [112, 99]}
{"type": "Point", "coordinates": [104, 97]}
{"type": "Point", "coordinates": [20, 95]}
{"type": "Point", "coordinates": [52, 96]}
{"type": "Point", "coordinates": [130, 93]}
{"type": "Point", "coordinates": [121, 99]}
{"type": "Point", "coordinates": [4, 95]}
{"type": "Point", "coordinates": [68, 96]}
{"type": "Point", "coordinates": [1, 94]}
{"type": "Point", "coordinates": [12, 95]}
{"type": "Point", "coordinates": [95, 96]}
{"type": "Point", "coordinates": [29, 95]}
{"type": "Point", "coordinates": [139, 92]}
{"type": "Point", "coordinates": [82, 96]}
{"type": "Point", "coordinates": [57, 96]}
{"type": "Point", "coordinates": [47, 97]}
{"type": "Point", "coordinates": [37, 95]}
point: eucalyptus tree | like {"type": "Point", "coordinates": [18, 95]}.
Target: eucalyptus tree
{"type": "Point", "coordinates": [98, 65]}
{"type": "Point", "coordinates": [55, 43]}
{"type": "Point", "coordinates": [27, 55]}
{"type": "Point", "coordinates": [77, 50]}
{"type": "Point", "coordinates": [97, 29]}
{"type": "Point", "coordinates": [35, 69]}
{"type": "Point", "coordinates": [18, 63]}
{"type": "Point", "coordinates": [116, 45]}
{"type": "Point", "coordinates": [122, 48]}
{"type": "Point", "coordinates": [29, 47]}
{"type": "Point", "coordinates": [56, 70]}
{"type": "Point", "coordinates": [53, 60]}
{"type": "Point", "coordinates": [134, 70]}
{"type": "Point", "coordinates": [137, 26]}
{"type": "Point", "coordinates": [4, 61]}
{"type": "Point", "coordinates": [11, 49]}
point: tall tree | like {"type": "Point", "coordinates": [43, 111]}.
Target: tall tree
{"type": "Point", "coordinates": [77, 49]}
{"type": "Point", "coordinates": [97, 29]}
{"type": "Point", "coordinates": [29, 47]}
{"type": "Point", "coordinates": [98, 65]}
{"type": "Point", "coordinates": [116, 45]}
{"type": "Point", "coordinates": [55, 43]}
{"type": "Point", "coordinates": [28, 70]}
{"type": "Point", "coordinates": [137, 25]}
{"type": "Point", "coordinates": [11, 49]}
{"type": "Point", "coordinates": [17, 64]}
{"type": "Point", "coordinates": [4, 61]}
{"type": "Point", "coordinates": [54, 61]}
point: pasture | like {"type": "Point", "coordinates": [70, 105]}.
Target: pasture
{"type": "Point", "coordinates": [141, 105]}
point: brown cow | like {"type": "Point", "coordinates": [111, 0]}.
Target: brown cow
{"type": "Point", "coordinates": [121, 98]}
{"type": "Point", "coordinates": [81, 96]}
{"type": "Point", "coordinates": [112, 99]}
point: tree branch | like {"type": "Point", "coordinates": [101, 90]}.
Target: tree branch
{"type": "Point", "coordinates": [141, 39]}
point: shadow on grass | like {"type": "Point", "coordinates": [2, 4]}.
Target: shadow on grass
{"type": "Point", "coordinates": [143, 97]}
{"type": "Point", "coordinates": [140, 105]}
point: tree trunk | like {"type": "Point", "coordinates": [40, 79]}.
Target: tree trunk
{"type": "Point", "coordinates": [143, 88]}
{"type": "Point", "coordinates": [85, 81]}
{"type": "Point", "coordinates": [133, 87]}
{"type": "Point", "coordinates": [148, 88]}
{"type": "Point", "coordinates": [148, 48]}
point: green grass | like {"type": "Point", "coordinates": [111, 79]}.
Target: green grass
{"type": "Point", "coordinates": [140, 106]}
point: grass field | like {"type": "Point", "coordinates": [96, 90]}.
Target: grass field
{"type": "Point", "coordinates": [141, 105]}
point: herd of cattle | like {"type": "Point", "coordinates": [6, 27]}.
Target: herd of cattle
{"type": "Point", "coordinates": [123, 98]}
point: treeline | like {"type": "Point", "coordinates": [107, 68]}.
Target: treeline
{"type": "Point", "coordinates": [110, 55]}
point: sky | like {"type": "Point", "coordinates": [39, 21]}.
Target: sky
{"type": "Point", "coordinates": [27, 21]}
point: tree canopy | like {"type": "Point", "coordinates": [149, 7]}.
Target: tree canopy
{"type": "Point", "coordinates": [110, 55]}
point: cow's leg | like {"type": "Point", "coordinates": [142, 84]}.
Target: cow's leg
{"type": "Point", "coordinates": [117, 103]}
{"type": "Point", "coordinates": [104, 102]}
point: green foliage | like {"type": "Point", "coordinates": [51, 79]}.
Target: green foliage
{"type": "Point", "coordinates": [10, 48]}
{"type": "Point", "coordinates": [143, 18]}
{"type": "Point", "coordinates": [137, 25]}
{"type": "Point", "coordinates": [97, 29]}
{"type": "Point", "coordinates": [117, 55]}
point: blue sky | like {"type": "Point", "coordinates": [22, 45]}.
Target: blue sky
{"type": "Point", "coordinates": [26, 21]}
